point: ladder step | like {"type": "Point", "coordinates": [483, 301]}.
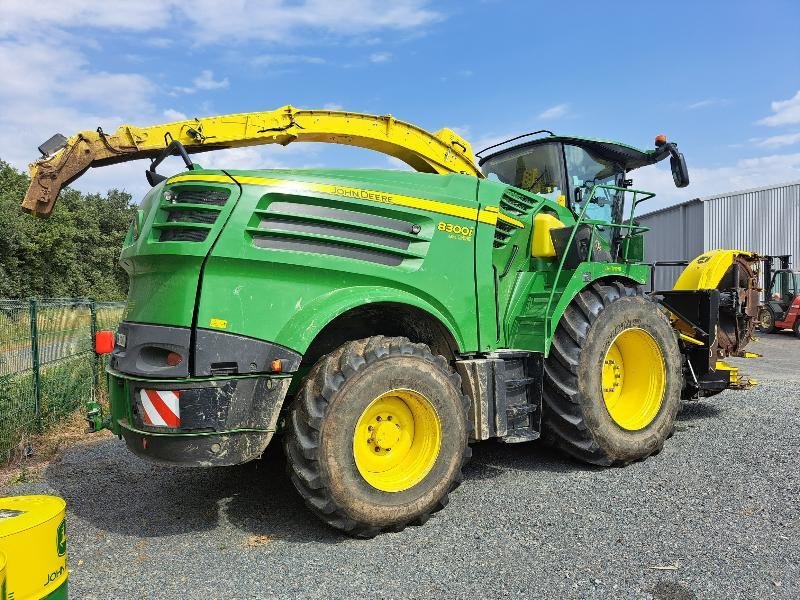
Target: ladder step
{"type": "Point", "coordinates": [520, 410]}
{"type": "Point", "coordinates": [512, 383]}
{"type": "Point", "coordinates": [517, 436]}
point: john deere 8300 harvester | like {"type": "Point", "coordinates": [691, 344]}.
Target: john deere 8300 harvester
{"type": "Point", "coordinates": [383, 320]}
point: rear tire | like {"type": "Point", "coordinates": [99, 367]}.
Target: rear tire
{"type": "Point", "coordinates": [614, 351]}
{"type": "Point", "coordinates": [766, 320]}
{"type": "Point", "coordinates": [796, 327]}
{"type": "Point", "coordinates": [378, 435]}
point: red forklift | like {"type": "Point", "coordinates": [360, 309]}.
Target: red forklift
{"type": "Point", "coordinates": [781, 308]}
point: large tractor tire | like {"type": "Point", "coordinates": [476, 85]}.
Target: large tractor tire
{"type": "Point", "coordinates": [378, 435]}
{"type": "Point", "coordinates": [766, 320]}
{"type": "Point", "coordinates": [613, 378]}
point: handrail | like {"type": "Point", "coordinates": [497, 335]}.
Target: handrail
{"type": "Point", "coordinates": [581, 220]}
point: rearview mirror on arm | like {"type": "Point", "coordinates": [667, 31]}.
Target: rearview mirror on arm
{"type": "Point", "coordinates": [680, 173]}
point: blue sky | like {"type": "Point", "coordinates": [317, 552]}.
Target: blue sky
{"type": "Point", "coordinates": [721, 78]}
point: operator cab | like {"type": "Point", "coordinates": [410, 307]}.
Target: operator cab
{"type": "Point", "coordinates": [784, 288]}
{"type": "Point", "coordinates": [565, 169]}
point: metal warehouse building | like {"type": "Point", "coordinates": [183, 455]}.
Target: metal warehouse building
{"type": "Point", "coordinates": [765, 220]}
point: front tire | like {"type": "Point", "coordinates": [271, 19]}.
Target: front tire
{"type": "Point", "coordinates": [613, 379]}
{"type": "Point", "coordinates": [378, 435]}
{"type": "Point", "coordinates": [766, 320]}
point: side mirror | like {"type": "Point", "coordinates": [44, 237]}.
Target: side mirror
{"type": "Point", "coordinates": [680, 173]}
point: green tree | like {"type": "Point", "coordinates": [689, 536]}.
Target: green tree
{"type": "Point", "coordinates": [73, 253]}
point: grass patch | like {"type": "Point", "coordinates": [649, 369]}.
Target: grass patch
{"type": "Point", "coordinates": [47, 447]}
{"type": "Point", "coordinates": [64, 386]}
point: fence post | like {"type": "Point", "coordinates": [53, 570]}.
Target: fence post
{"type": "Point", "coordinates": [37, 394]}
{"type": "Point", "coordinates": [96, 357]}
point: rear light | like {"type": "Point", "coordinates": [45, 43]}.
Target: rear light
{"type": "Point", "coordinates": [277, 365]}
{"type": "Point", "coordinates": [174, 359]}
{"type": "Point", "coordinates": [159, 358]}
{"type": "Point", "coordinates": [104, 342]}
{"type": "Point", "coordinates": [160, 408]}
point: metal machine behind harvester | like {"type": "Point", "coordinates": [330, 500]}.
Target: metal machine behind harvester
{"type": "Point", "coordinates": [781, 308]}
{"type": "Point", "coordinates": [382, 320]}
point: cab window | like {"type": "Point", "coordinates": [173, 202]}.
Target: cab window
{"type": "Point", "coordinates": [585, 171]}
{"type": "Point", "coordinates": [783, 289]}
{"type": "Point", "coordinates": [537, 169]}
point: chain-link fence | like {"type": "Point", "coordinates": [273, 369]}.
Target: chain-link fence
{"type": "Point", "coordinates": [47, 362]}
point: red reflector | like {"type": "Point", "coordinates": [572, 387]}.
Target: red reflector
{"type": "Point", "coordinates": [277, 365]}
{"type": "Point", "coordinates": [104, 342]}
{"type": "Point", "coordinates": [174, 359]}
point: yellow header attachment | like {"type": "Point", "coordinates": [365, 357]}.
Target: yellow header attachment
{"type": "Point", "coordinates": [440, 152]}
{"type": "Point", "coordinates": [729, 271]}
{"type": "Point", "coordinates": [707, 271]}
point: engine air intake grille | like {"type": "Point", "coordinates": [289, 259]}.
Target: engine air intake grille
{"type": "Point", "coordinates": [502, 233]}
{"type": "Point", "coordinates": [315, 229]}
{"type": "Point", "coordinates": [516, 204]}
{"type": "Point", "coordinates": [190, 213]}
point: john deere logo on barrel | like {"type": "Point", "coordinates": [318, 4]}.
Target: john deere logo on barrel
{"type": "Point", "coordinates": [61, 538]}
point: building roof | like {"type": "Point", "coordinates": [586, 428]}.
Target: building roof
{"type": "Point", "coordinates": [670, 208]}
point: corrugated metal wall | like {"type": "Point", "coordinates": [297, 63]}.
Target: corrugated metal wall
{"type": "Point", "coordinates": [676, 234]}
{"type": "Point", "coordinates": [764, 220]}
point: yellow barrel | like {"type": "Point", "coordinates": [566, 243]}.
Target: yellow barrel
{"type": "Point", "coordinates": [3, 595]}
{"type": "Point", "coordinates": [33, 538]}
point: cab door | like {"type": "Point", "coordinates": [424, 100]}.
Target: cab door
{"type": "Point", "coordinates": [782, 293]}
{"type": "Point", "coordinates": [503, 252]}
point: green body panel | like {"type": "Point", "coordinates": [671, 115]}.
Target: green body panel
{"type": "Point", "coordinates": [488, 296]}
{"type": "Point", "coordinates": [287, 296]}
{"type": "Point", "coordinates": [164, 275]}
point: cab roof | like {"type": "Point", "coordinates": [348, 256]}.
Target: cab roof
{"type": "Point", "coordinates": [623, 155]}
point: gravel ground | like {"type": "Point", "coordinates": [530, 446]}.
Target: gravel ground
{"type": "Point", "coordinates": [715, 515]}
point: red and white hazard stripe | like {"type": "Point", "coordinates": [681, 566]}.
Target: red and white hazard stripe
{"type": "Point", "coordinates": [161, 408]}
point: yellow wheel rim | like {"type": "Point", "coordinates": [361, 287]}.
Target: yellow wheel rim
{"type": "Point", "coordinates": [634, 378]}
{"type": "Point", "coordinates": [396, 440]}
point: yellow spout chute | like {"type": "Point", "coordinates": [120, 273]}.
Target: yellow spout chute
{"type": "Point", "coordinates": [440, 152]}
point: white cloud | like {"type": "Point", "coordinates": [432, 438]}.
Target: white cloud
{"type": "Point", "coordinates": [465, 131]}
{"type": "Point", "coordinates": [269, 60]}
{"type": "Point", "coordinates": [205, 81]}
{"type": "Point", "coordinates": [49, 87]}
{"type": "Point", "coordinates": [785, 112]}
{"type": "Point", "coordinates": [142, 15]}
{"type": "Point", "coordinates": [293, 156]}
{"type": "Point", "coordinates": [554, 112]}
{"type": "Point", "coordinates": [174, 115]}
{"type": "Point", "coordinates": [158, 42]}
{"type": "Point", "coordinates": [49, 81]}
{"type": "Point", "coordinates": [380, 57]}
{"type": "Point", "coordinates": [332, 106]}
{"type": "Point", "coordinates": [396, 164]}
{"type": "Point", "coordinates": [776, 141]}
{"type": "Point", "coordinates": [706, 103]}
{"type": "Point", "coordinates": [214, 21]}
{"type": "Point", "coordinates": [708, 181]}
